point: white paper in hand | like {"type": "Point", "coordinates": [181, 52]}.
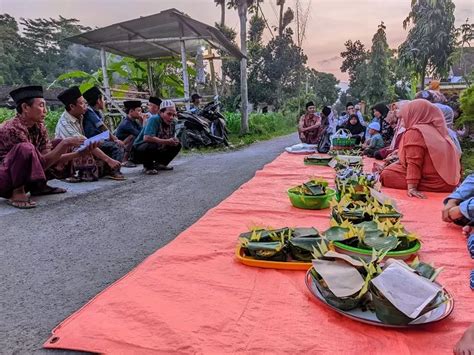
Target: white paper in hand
{"type": "Point", "coordinates": [95, 139]}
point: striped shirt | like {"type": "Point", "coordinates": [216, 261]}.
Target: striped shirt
{"type": "Point", "coordinates": [69, 126]}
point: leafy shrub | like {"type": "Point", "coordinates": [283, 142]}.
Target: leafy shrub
{"type": "Point", "coordinates": [50, 121]}
{"type": "Point", "coordinates": [467, 105]}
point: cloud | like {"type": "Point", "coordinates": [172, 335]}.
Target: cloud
{"type": "Point", "coordinates": [329, 60]}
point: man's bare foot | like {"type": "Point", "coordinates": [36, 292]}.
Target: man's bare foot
{"type": "Point", "coordinates": [465, 346]}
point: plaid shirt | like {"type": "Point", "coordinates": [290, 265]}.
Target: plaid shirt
{"type": "Point", "coordinates": [69, 126]}
{"type": "Point", "coordinates": [15, 131]}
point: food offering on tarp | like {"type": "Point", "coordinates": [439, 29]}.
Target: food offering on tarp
{"type": "Point", "coordinates": [358, 240]}
{"type": "Point", "coordinates": [285, 248]}
{"type": "Point", "coordinates": [352, 180]}
{"type": "Point", "coordinates": [342, 140]}
{"type": "Point", "coordinates": [360, 207]}
{"type": "Point", "coordinates": [318, 159]}
{"type": "Point", "coordinates": [390, 293]}
{"type": "Point", "coordinates": [311, 195]}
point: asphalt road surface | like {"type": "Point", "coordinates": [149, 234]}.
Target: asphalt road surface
{"type": "Point", "coordinates": [55, 258]}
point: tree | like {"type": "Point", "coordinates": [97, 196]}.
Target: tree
{"type": "Point", "coordinates": [378, 76]}
{"type": "Point", "coordinates": [323, 85]}
{"type": "Point", "coordinates": [222, 4]}
{"type": "Point", "coordinates": [430, 40]}
{"type": "Point", "coordinates": [283, 63]}
{"type": "Point", "coordinates": [464, 37]}
{"type": "Point", "coordinates": [242, 7]}
{"type": "Point", "coordinates": [10, 41]}
{"type": "Point", "coordinates": [355, 63]}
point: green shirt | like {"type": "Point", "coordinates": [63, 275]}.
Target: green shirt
{"type": "Point", "coordinates": [155, 127]}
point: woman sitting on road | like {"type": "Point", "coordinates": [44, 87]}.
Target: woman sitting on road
{"type": "Point", "coordinates": [356, 128]}
{"type": "Point", "coordinates": [309, 127]}
{"type": "Point", "coordinates": [429, 160]}
{"type": "Point", "coordinates": [393, 118]}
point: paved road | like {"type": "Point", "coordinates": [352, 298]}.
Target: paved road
{"type": "Point", "coordinates": [55, 258]}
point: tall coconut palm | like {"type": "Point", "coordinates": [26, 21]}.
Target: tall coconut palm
{"type": "Point", "coordinates": [222, 4]}
{"type": "Point", "coordinates": [242, 7]}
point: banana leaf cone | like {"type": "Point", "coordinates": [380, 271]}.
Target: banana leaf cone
{"type": "Point", "coordinates": [385, 311]}
{"type": "Point", "coordinates": [301, 248]}
{"type": "Point", "coordinates": [343, 303]}
{"type": "Point", "coordinates": [274, 251]}
{"type": "Point", "coordinates": [388, 314]}
{"type": "Point", "coordinates": [391, 216]}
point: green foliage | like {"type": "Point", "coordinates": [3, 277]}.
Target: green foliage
{"type": "Point", "coordinates": [467, 105]}
{"type": "Point", "coordinates": [431, 38]}
{"type": "Point", "coordinates": [261, 126]}
{"type": "Point", "coordinates": [323, 88]}
{"type": "Point", "coordinates": [378, 78]}
{"type": "Point", "coordinates": [50, 121]}
{"type": "Point", "coordinates": [39, 54]}
{"type": "Point", "coordinates": [355, 64]}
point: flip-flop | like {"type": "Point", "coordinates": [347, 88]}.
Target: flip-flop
{"type": "Point", "coordinates": [15, 203]}
{"type": "Point", "coordinates": [117, 177]}
{"type": "Point", "coordinates": [472, 279]}
{"type": "Point", "coordinates": [164, 167]}
{"type": "Point", "coordinates": [73, 180]}
{"type": "Point", "coordinates": [129, 164]}
{"type": "Point", "coordinates": [48, 190]}
{"type": "Point", "coordinates": [151, 172]}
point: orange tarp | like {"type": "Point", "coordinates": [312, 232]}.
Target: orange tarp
{"type": "Point", "coordinates": [193, 297]}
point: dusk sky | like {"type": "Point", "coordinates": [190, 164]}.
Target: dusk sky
{"type": "Point", "coordinates": [331, 22]}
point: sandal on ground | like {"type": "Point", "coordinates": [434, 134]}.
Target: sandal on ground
{"type": "Point", "coordinates": [22, 204]}
{"type": "Point", "coordinates": [129, 164]}
{"type": "Point", "coordinates": [163, 167]}
{"type": "Point", "coordinates": [48, 190]}
{"type": "Point", "coordinates": [116, 176]}
{"type": "Point", "coordinates": [151, 172]}
{"type": "Point", "coordinates": [73, 179]}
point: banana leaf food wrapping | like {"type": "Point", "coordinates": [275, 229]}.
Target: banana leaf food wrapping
{"type": "Point", "coordinates": [283, 244]}
{"type": "Point", "coordinates": [368, 235]}
{"type": "Point", "coordinates": [396, 292]}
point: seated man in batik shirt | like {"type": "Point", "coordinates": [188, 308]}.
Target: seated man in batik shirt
{"type": "Point", "coordinates": [156, 145]}
{"type": "Point", "coordinates": [27, 154]}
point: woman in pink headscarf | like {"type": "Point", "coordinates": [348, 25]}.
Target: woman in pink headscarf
{"type": "Point", "coordinates": [429, 160]}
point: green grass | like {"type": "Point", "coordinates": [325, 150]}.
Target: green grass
{"type": "Point", "coordinates": [261, 126]}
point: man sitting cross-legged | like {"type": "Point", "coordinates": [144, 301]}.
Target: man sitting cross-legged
{"type": "Point", "coordinates": [93, 124]}
{"type": "Point", "coordinates": [26, 153]}
{"type": "Point", "coordinates": [156, 146]}
{"type": "Point", "coordinates": [70, 125]}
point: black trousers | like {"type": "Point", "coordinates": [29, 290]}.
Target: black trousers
{"type": "Point", "coordinates": [113, 150]}
{"type": "Point", "coordinates": [150, 154]}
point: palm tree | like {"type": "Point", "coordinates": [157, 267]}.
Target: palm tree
{"type": "Point", "coordinates": [242, 7]}
{"type": "Point", "coordinates": [222, 4]}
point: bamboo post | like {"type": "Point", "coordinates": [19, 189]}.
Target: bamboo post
{"type": "Point", "coordinates": [103, 61]}
{"type": "Point", "coordinates": [185, 74]}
